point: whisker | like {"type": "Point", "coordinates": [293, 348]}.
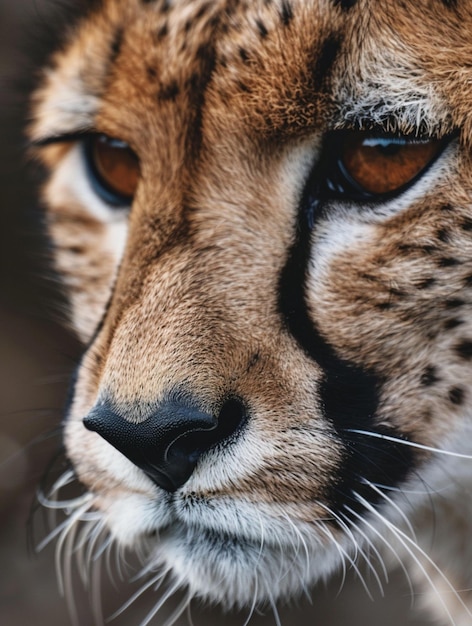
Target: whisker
{"type": "Point", "coordinates": [274, 610]}
{"type": "Point", "coordinates": [301, 540]}
{"type": "Point", "coordinates": [103, 548]}
{"type": "Point", "coordinates": [389, 546]}
{"type": "Point", "coordinates": [352, 560]}
{"type": "Point", "coordinates": [395, 506]}
{"type": "Point", "coordinates": [406, 542]}
{"type": "Point", "coordinates": [412, 444]}
{"type": "Point", "coordinates": [157, 578]}
{"type": "Point", "coordinates": [340, 550]}
{"type": "Point", "coordinates": [367, 559]}
{"type": "Point", "coordinates": [96, 594]}
{"type": "Point", "coordinates": [254, 603]}
{"type": "Point", "coordinates": [178, 611]}
{"type": "Point", "coordinates": [65, 548]}
{"type": "Point", "coordinates": [169, 593]}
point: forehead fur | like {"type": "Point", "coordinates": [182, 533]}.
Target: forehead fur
{"type": "Point", "coordinates": [283, 66]}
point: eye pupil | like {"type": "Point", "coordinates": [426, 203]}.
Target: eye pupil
{"type": "Point", "coordinates": [113, 167]}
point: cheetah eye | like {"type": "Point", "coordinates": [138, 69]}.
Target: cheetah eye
{"type": "Point", "coordinates": [113, 168]}
{"type": "Point", "coordinates": [363, 166]}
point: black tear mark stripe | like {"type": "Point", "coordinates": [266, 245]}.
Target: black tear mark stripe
{"type": "Point", "coordinates": [348, 393]}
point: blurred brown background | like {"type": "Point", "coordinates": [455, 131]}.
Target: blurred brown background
{"type": "Point", "coordinates": [36, 359]}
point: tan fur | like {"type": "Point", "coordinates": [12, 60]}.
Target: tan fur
{"type": "Point", "coordinates": [227, 118]}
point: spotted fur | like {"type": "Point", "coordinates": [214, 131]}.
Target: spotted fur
{"type": "Point", "coordinates": [343, 328]}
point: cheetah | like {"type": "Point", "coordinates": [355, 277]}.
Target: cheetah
{"type": "Point", "coordinates": [261, 215]}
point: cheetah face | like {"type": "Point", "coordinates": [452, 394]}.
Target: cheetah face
{"type": "Point", "coordinates": [261, 215]}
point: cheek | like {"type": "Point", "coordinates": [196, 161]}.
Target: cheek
{"type": "Point", "coordinates": [88, 240]}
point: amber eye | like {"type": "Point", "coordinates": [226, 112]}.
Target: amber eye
{"type": "Point", "coordinates": [382, 164]}
{"type": "Point", "coordinates": [113, 169]}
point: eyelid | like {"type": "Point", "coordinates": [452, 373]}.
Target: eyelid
{"type": "Point", "coordinates": [63, 138]}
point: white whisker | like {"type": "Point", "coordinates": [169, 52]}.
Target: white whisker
{"type": "Point", "coordinates": [274, 610]}
{"type": "Point", "coordinates": [169, 593]}
{"type": "Point", "coordinates": [103, 548]}
{"type": "Point", "coordinates": [178, 611]}
{"type": "Point", "coordinates": [394, 505]}
{"type": "Point", "coordinates": [96, 593]}
{"type": "Point", "coordinates": [352, 560]}
{"type": "Point", "coordinates": [254, 603]}
{"type": "Point", "coordinates": [388, 545]}
{"type": "Point", "coordinates": [412, 444]}
{"type": "Point", "coordinates": [406, 541]}
{"type": "Point", "coordinates": [339, 549]}
{"type": "Point", "coordinates": [66, 547]}
{"type": "Point", "coordinates": [64, 504]}
{"type": "Point", "coordinates": [157, 578]}
{"type": "Point", "coordinates": [367, 559]}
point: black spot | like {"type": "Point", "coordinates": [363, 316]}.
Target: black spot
{"type": "Point", "coordinates": [443, 234]}
{"type": "Point", "coordinates": [454, 303]}
{"type": "Point", "coordinates": [286, 13]}
{"type": "Point", "coordinates": [394, 291]}
{"type": "Point", "coordinates": [466, 224]}
{"type": "Point", "coordinates": [345, 4]}
{"type": "Point", "coordinates": [447, 261]}
{"type": "Point", "coordinates": [253, 360]}
{"type": "Point", "coordinates": [115, 47]}
{"type": "Point", "coordinates": [368, 277]}
{"type": "Point", "coordinates": [169, 92]}
{"type": "Point", "coordinates": [429, 376]}
{"type": "Point", "coordinates": [165, 6]}
{"type": "Point", "coordinates": [262, 29]}
{"type": "Point", "coordinates": [201, 11]}
{"type": "Point", "coordinates": [427, 416]}
{"type": "Point", "coordinates": [163, 31]}
{"type": "Point", "coordinates": [454, 322]}
{"type": "Point", "coordinates": [151, 73]}
{"type": "Point", "coordinates": [244, 55]}
{"type": "Point", "coordinates": [326, 59]}
{"type": "Point", "coordinates": [468, 281]}
{"type": "Point", "coordinates": [450, 4]}
{"type": "Point", "coordinates": [77, 249]}
{"type": "Point", "coordinates": [214, 21]}
{"type": "Point", "coordinates": [426, 283]}
{"type": "Point", "coordinates": [188, 25]}
{"type": "Point", "coordinates": [243, 87]}
{"type": "Point", "coordinates": [383, 306]}
{"type": "Point", "coordinates": [432, 333]}
{"type": "Point", "coordinates": [456, 395]}
{"type": "Point", "coordinates": [464, 349]}
{"type": "Point", "coordinates": [411, 247]}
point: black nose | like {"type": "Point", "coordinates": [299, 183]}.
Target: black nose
{"type": "Point", "coordinates": [168, 444]}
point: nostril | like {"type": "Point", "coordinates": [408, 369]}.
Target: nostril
{"type": "Point", "coordinates": [168, 445]}
{"type": "Point", "coordinates": [230, 421]}
{"type": "Point", "coordinates": [231, 418]}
